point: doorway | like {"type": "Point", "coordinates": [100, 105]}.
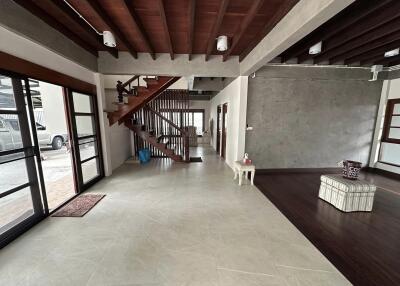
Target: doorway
{"type": "Point", "coordinates": [52, 129]}
{"type": "Point", "coordinates": [219, 131]}
{"type": "Point", "coordinates": [50, 150]}
{"type": "Point", "coordinates": [224, 129]}
{"type": "Point", "coordinates": [21, 201]}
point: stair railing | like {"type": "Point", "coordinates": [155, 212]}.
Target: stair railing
{"type": "Point", "coordinates": [127, 88]}
{"type": "Point", "coordinates": [183, 133]}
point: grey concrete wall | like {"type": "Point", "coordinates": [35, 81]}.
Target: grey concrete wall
{"type": "Point", "coordinates": [17, 19]}
{"type": "Point", "coordinates": [310, 117]}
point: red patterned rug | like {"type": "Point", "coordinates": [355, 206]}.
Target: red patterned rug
{"type": "Point", "coordinates": [79, 206]}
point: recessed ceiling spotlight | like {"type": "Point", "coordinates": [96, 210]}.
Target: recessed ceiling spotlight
{"type": "Point", "coordinates": [316, 49]}
{"type": "Point", "coordinates": [392, 53]}
{"type": "Point", "coordinates": [222, 43]}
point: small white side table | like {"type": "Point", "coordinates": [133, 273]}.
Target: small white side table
{"type": "Point", "coordinates": [240, 168]}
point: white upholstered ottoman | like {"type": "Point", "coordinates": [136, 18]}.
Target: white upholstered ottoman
{"type": "Point", "coordinates": [347, 195]}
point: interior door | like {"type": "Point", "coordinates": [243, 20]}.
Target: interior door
{"type": "Point", "coordinates": [219, 125]}
{"type": "Point", "coordinates": [224, 129]}
{"type": "Point", "coordinates": [85, 141]}
{"type": "Point", "coordinates": [20, 196]}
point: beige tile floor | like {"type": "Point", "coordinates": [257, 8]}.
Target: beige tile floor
{"type": "Point", "coordinates": [166, 224]}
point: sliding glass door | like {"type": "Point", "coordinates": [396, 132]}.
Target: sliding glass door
{"type": "Point", "coordinates": [86, 139]}
{"type": "Point", "coordinates": [20, 196]}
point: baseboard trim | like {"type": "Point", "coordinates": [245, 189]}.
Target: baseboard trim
{"type": "Point", "coordinates": [298, 170]}
{"type": "Point", "coordinates": [384, 173]}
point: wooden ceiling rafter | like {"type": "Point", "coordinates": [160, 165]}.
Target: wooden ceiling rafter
{"type": "Point", "coordinates": [379, 32]}
{"type": "Point", "coordinates": [373, 53]}
{"type": "Point", "coordinates": [110, 23]}
{"type": "Point", "coordinates": [387, 61]}
{"type": "Point", "coordinates": [74, 17]}
{"type": "Point", "coordinates": [216, 27]}
{"type": "Point", "coordinates": [381, 42]}
{"type": "Point", "coordinates": [140, 28]}
{"type": "Point", "coordinates": [332, 28]}
{"type": "Point", "coordinates": [54, 23]}
{"type": "Point", "coordinates": [166, 29]}
{"type": "Point", "coordinates": [191, 20]}
{"type": "Point", "coordinates": [282, 11]}
{"type": "Point", "coordinates": [244, 25]}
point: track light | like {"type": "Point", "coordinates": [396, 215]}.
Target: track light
{"type": "Point", "coordinates": [109, 39]}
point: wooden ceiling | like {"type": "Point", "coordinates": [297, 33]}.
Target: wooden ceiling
{"type": "Point", "coordinates": [164, 26]}
{"type": "Point", "coordinates": [359, 36]}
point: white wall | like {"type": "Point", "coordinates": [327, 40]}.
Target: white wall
{"type": "Point", "coordinates": [119, 137]}
{"type": "Point", "coordinates": [390, 90]}
{"type": "Point", "coordinates": [235, 94]}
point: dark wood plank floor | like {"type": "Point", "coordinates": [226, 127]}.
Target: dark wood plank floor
{"type": "Point", "coordinates": [364, 246]}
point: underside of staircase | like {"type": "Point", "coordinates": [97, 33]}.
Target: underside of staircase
{"type": "Point", "coordinates": [154, 140]}
{"type": "Point", "coordinates": [137, 109]}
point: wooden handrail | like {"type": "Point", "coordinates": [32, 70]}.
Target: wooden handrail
{"type": "Point", "coordinates": [129, 81]}
{"type": "Point", "coordinates": [166, 119]}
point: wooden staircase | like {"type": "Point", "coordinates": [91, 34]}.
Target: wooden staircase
{"type": "Point", "coordinates": [138, 96]}
{"type": "Point", "coordinates": [152, 139]}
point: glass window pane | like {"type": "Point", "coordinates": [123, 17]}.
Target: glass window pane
{"type": "Point", "coordinates": [82, 102]}
{"type": "Point", "coordinates": [390, 153]}
{"type": "Point", "coordinates": [395, 121]}
{"type": "Point", "coordinates": [394, 133]}
{"type": "Point", "coordinates": [198, 122]}
{"type": "Point", "coordinates": [13, 174]}
{"type": "Point", "coordinates": [10, 133]}
{"type": "Point", "coordinates": [85, 125]}
{"type": "Point", "coordinates": [87, 149]}
{"type": "Point", "coordinates": [90, 170]}
{"type": "Point", "coordinates": [396, 109]}
{"type": "Point", "coordinates": [7, 101]}
{"type": "Point", "coordinates": [15, 208]}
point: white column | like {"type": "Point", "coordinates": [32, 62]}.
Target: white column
{"type": "Point", "coordinates": [103, 122]}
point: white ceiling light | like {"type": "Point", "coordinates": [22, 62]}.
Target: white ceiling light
{"type": "Point", "coordinates": [392, 53]}
{"type": "Point", "coordinates": [316, 49]}
{"type": "Point", "coordinates": [222, 43]}
{"type": "Point", "coordinates": [108, 39]}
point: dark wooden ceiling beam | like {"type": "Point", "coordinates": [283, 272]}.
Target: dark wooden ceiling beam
{"type": "Point", "coordinates": [74, 17]}
{"type": "Point", "coordinates": [394, 63]}
{"type": "Point", "coordinates": [285, 7]}
{"type": "Point", "coordinates": [257, 4]}
{"type": "Point", "coordinates": [382, 31]}
{"type": "Point", "coordinates": [110, 23]}
{"type": "Point", "coordinates": [54, 23]}
{"type": "Point", "coordinates": [216, 27]}
{"type": "Point", "coordinates": [335, 26]}
{"type": "Point", "coordinates": [376, 52]}
{"type": "Point", "coordinates": [140, 28]}
{"type": "Point", "coordinates": [388, 61]}
{"type": "Point", "coordinates": [192, 17]}
{"type": "Point", "coordinates": [370, 46]}
{"type": "Point", "coordinates": [165, 27]}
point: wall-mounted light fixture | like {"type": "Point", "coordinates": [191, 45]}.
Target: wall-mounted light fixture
{"type": "Point", "coordinates": [392, 53]}
{"type": "Point", "coordinates": [315, 49]}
